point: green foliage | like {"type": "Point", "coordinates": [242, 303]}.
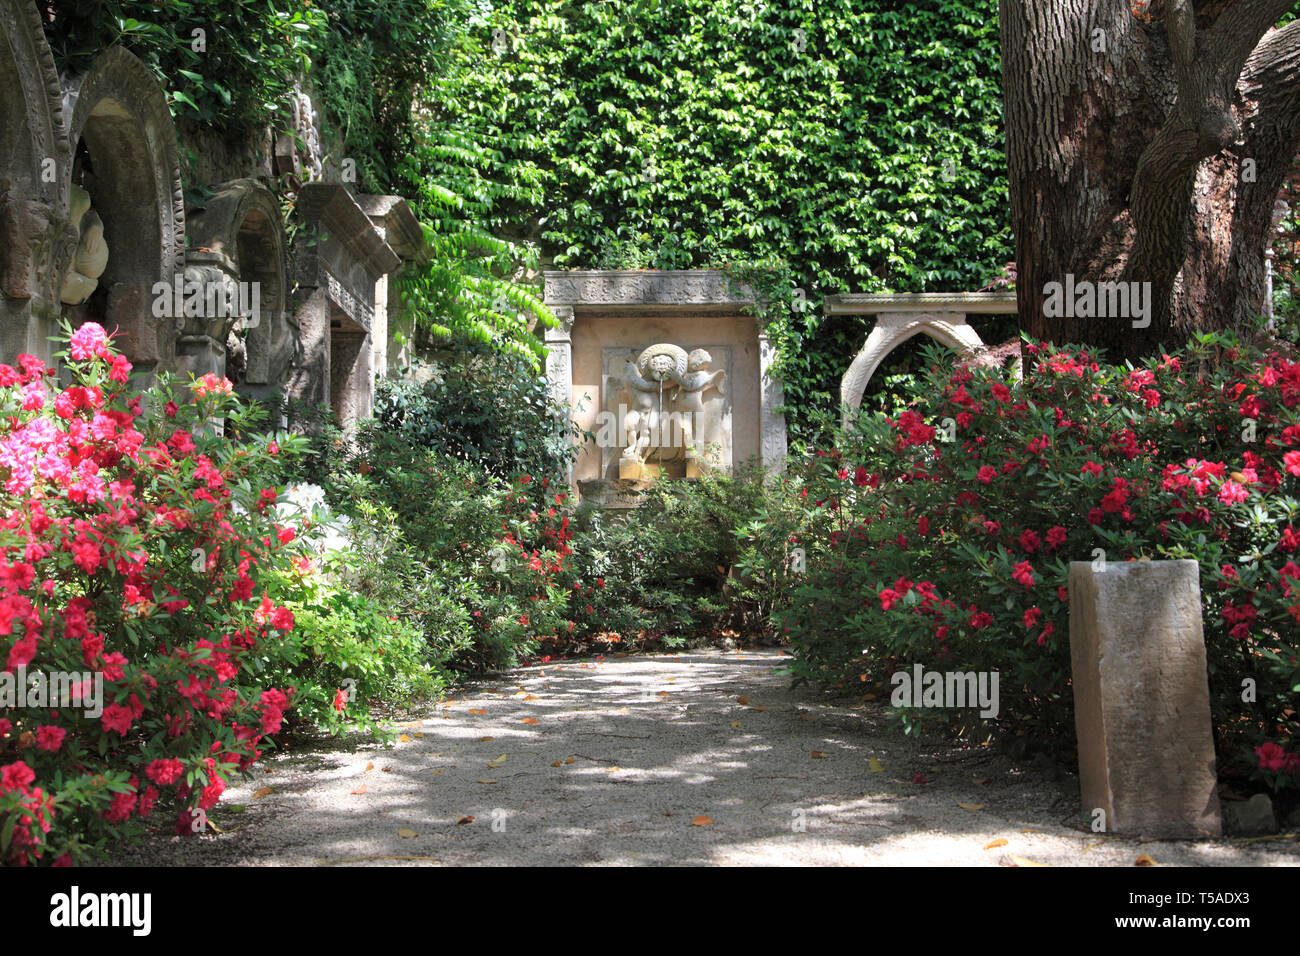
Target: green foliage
{"type": "Point", "coordinates": [486, 407]}
{"type": "Point", "coordinates": [866, 152]}
{"type": "Point", "coordinates": [375, 55]}
{"type": "Point", "coordinates": [233, 74]}
{"type": "Point", "coordinates": [693, 560]}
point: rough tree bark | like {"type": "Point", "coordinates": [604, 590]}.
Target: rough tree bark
{"type": "Point", "coordinates": [1147, 145]}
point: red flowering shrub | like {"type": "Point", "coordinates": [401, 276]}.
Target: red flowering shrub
{"type": "Point", "coordinates": [951, 546]}
{"type": "Point", "coordinates": [133, 628]}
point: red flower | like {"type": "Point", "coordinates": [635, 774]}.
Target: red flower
{"type": "Point", "coordinates": [164, 771]}
{"type": "Point", "coordinates": [49, 737]}
{"type": "Point", "coordinates": [1023, 573]}
{"type": "Point", "coordinates": [116, 718]}
{"type": "Point", "coordinates": [1271, 756]}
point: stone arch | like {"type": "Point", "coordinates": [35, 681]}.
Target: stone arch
{"type": "Point", "coordinates": [124, 154]}
{"type": "Point", "coordinates": [240, 228]}
{"type": "Point", "coordinates": [31, 106]}
{"type": "Point", "coordinates": [891, 331]}
{"type": "Point", "coordinates": [34, 161]}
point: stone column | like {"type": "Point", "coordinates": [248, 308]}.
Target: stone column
{"type": "Point", "coordinates": [1142, 699]}
{"type": "Point", "coordinates": [559, 356]}
{"type": "Point", "coordinates": [771, 422]}
{"type": "Point", "coordinates": [559, 364]}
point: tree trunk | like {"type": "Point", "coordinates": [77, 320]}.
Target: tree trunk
{"type": "Point", "coordinates": [1146, 152]}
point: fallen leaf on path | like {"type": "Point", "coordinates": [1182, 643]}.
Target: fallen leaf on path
{"type": "Point", "coordinates": [361, 789]}
{"type": "Point", "coordinates": [485, 739]}
{"type": "Point", "coordinates": [530, 720]}
{"type": "Point", "coordinates": [404, 739]}
{"type": "Point", "coordinates": [369, 767]}
{"type": "Point", "coordinates": [498, 761]}
{"type": "Point", "coordinates": [464, 820]}
{"type": "Point", "coordinates": [663, 693]}
{"type": "Point", "coordinates": [438, 771]}
{"type": "Point", "coordinates": [418, 736]}
{"type": "Point", "coordinates": [1031, 830]}
{"type": "Point", "coordinates": [406, 834]}
{"type": "Point", "coordinates": [702, 822]}
{"type": "Point", "coordinates": [531, 697]}
{"type": "Point", "coordinates": [481, 710]}
{"type": "Point", "coordinates": [386, 769]}
{"type": "Point", "coordinates": [263, 792]}
{"type": "Point", "coordinates": [994, 844]}
{"type": "Point", "coordinates": [570, 760]}
{"type": "Point", "coordinates": [760, 708]}
{"type": "Point", "coordinates": [613, 769]}
{"type": "Point", "coordinates": [1023, 861]}
{"type": "Point", "coordinates": [558, 763]}
{"type": "Point", "coordinates": [875, 766]}
{"type": "Point", "coordinates": [1144, 860]}
{"type": "Point", "coordinates": [818, 755]}
{"type": "Point", "coordinates": [971, 806]}
{"type": "Point", "coordinates": [735, 723]}
{"type": "Point", "coordinates": [742, 700]}
{"type": "Point", "coordinates": [487, 781]}
{"type": "Point", "coordinates": [414, 723]}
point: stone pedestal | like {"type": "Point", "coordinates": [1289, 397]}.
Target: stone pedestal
{"type": "Point", "coordinates": [1142, 700]}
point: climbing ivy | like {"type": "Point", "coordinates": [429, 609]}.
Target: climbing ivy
{"type": "Point", "coordinates": [857, 141]}
{"type": "Point", "coordinates": [225, 65]}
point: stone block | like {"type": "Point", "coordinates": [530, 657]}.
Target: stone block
{"type": "Point", "coordinates": [1142, 701]}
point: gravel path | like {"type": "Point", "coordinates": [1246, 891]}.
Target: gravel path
{"type": "Point", "coordinates": [625, 761]}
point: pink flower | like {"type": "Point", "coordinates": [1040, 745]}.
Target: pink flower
{"type": "Point", "coordinates": [1023, 573]}
{"type": "Point", "coordinates": [89, 341]}
{"type": "Point", "coordinates": [986, 474]}
{"type": "Point", "coordinates": [1292, 461]}
{"type": "Point", "coordinates": [1232, 493]}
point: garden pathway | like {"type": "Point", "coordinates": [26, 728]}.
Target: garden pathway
{"type": "Point", "coordinates": [627, 760]}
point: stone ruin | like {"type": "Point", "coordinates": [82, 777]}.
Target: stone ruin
{"type": "Point", "coordinates": [94, 226]}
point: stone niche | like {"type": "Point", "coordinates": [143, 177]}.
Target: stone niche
{"type": "Point", "coordinates": [125, 168]}
{"type": "Point", "coordinates": [669, 373]}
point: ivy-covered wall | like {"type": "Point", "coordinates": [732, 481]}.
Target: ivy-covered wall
{"type": "Point", "coordinates": [858, 141]}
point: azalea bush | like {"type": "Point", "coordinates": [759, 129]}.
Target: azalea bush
{"type": "Point", "coordinates": [133, 548]}
{"type": "Point", "coordinates": [943, 536]}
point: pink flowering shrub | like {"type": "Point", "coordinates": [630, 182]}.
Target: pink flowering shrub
{"type": "Point", "coordinates": [132, 547]}
{"type": "Point", "coordinates": [943, 537]}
